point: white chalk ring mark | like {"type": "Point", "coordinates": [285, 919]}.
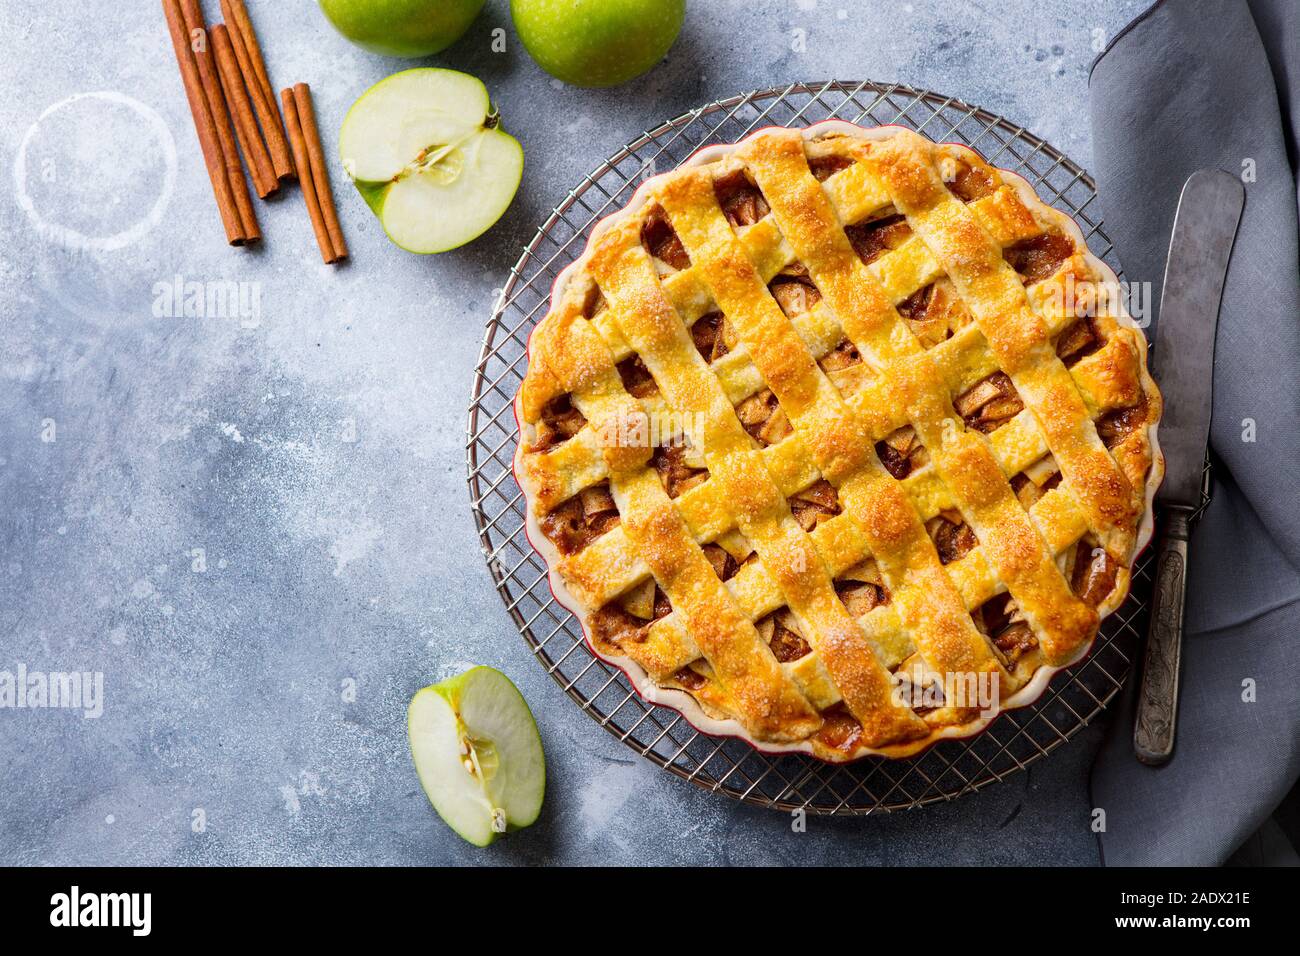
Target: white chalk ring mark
{"type": "Point", "coordinates": [71, 237]}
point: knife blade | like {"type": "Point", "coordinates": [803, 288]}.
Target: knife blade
{"type": "Point", "coordinates": [1205, 225]}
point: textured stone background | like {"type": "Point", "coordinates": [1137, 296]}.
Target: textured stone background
{"type": "Point", "coordinates": [327, 559]}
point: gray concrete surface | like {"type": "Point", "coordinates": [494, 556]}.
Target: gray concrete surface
{"type": "Point", "coordinates": [258, 531]}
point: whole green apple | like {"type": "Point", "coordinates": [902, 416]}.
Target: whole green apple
{"type": "Point", "coordinates": [402, 27]}
{"type": "Point", "coordinates": [597, 42]}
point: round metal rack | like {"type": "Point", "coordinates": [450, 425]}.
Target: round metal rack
{"type": "Point", "coordinates": [952, 768]}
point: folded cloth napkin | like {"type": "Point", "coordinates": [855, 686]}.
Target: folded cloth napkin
{"type": "Point", "coordinates": [1187, 86]}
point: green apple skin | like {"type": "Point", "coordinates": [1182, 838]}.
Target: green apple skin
{"type": "Point", "coordinates": [597, 43]}
{"type": "Point", "coordinates": [405, 28]}
{"type": "Point", "coordinates": [478, 754]}
{"type": "Point", "coordinates": [400, 118]}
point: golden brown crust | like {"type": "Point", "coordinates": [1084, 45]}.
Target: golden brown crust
{"type": "Point", "coordinates": [1015, 278]}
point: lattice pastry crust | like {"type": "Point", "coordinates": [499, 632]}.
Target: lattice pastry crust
{"type": "Point", "coordinates": [835, 442]}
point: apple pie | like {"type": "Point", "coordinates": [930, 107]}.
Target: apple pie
{"type": "Point", "coordinates": [838, 440]}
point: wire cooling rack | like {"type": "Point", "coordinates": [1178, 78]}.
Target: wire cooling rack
{"type": "Point", "coordinates": [791, 781]}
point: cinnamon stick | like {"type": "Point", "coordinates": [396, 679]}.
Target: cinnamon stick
{"type": "Point", "coordinates": [319, 169]}
{"type": "Point", "coordinates": [198, 45]}
{"type": "Point", "coordinates": [204, 125]}
{"type": "Point", "coordinates": [249, 55]}
{"type": "Point", "coordinates": [250, 140]}
{"type": "Point", "coordinates": [299, 144]}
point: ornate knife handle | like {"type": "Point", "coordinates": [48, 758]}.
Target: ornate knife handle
{"type": "Point", "coordinates": [1157, 708]}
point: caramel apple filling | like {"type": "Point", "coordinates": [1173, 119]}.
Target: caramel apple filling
{"type": "Point", "coordinates": [662, 242]}
{"type": "Point", "coordinates": [1077, 342]}
{"type": "Point", "coordinates": [637, 378]}
{"type": "Point", "coordinates": [1038, 258]}
{"type": "Point", "coordinates": [740, 199]}
{"type": "Point", "coordinates": [990, 402]}
{"type": "Point", "coordinates": [814, 504]}
{"type": "Point", "coordinates": [762, 417]}
{"type": "Point", "coordinates": [845, 355]}
{"type": "Point", "coordinates": [969, 183]}
{"type": "Point", "coordinates": [1114, 427]}
{"type": "Point", "coordinates": [901, 452]}
{"type": "Point", "coordinates": [1001, 620]}
{"type": "Point", "coordinates": [794, 291]}
{"type": "Point", "coordinates": [581, 520]}
{"type": "Point", "coordinates": [935, 312]}
{"type": "Point", "coordinates": [729, 554]}
{"type": "Point", "coordinates": [627, 618]}
{"type": "Point", "coordinates": [952, 537]}
{"type": "Point", "coordinates": [824, 167]}
{"type": "Point", "coordinates": [724, 565]}
{"type": "Point", "coordinates": [560, 421]}
{"type": "Point", "coordinates": [1092, 576]}
{"type": "Point", "coordinates": [872, 239]}
{"type": "Point", "coordinates": [918, 687]}
{"type": "Point", "coordinates": [690, 678]}
{"type": "Point", "coordinates": [1035, 481]}
{"type": "Point", "coordinates": [680, 467]}
{"type": "Point", "coordinates": [780, 631]}
{"type": "Point", "coordinates": [840, 730]}
{"type": "Point", "coordinates": [843, 365]}
{"type": "Point", "coordinates": [862, 589]}
{"type": "Point", "coordinates": [713, 336]}
{"type": "Point", "coordinates": [594, 303]}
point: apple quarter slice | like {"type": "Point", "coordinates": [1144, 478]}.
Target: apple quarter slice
{"type": "Point", "coordinates": [478, 754]}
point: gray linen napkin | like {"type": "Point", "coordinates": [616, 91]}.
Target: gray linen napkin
{"type": "Point", "coordinates": [1217, 84]}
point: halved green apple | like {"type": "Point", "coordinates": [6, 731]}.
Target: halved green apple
{"type": "Point", "coordinates": [427, 152]}
{"type": "Point", "coordinates": [478, 754]}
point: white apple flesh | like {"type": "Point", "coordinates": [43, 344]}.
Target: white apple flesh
{"type": "Point", "coordinates": [478, 754]}
{"type": "Point", "coordinates": [427, 152]}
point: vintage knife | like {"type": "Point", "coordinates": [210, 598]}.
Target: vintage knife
{"type": "Point", "coordinates": [1204, 227]}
